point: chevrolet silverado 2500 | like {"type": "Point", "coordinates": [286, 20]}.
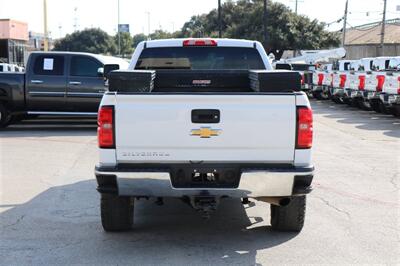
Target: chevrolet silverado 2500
{"type": "Point", "coordinates": [202, 120]}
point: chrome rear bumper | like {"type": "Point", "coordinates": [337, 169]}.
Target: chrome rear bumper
{"type": "Point", "coordinates": [272, 182]}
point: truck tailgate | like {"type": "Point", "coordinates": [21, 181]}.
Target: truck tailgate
{"type": "Point", "coordinates": [159, 128]}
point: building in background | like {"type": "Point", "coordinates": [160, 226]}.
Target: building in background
{"type": "Point", "coordinates": [13, 41]}
{"type": "Point", "coordinates": [36, 42]}
{"type": "Point", "coordinates": [365, 40]}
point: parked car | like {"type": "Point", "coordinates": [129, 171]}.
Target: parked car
{"type": "Point", "coordinates": [375, 82]}
{"type": "Point", "coordinates": [390, 96]}
{"type": "Point", "coordinates": [339, 80]}
{"type": "Point", "coordinates": [55, 83]}
{"type": "Point", "coordinates": [212, 121]}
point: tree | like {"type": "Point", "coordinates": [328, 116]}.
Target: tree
{"type": "Point", "coordinates": [158, 34]}
{"type": "Point", "coordinates": [88, 40]}
{"type": "Point", "coordinates": [243, 19]}
{"type": "Point", "coordinates": [138, 38]}
{"type": "Point", "coordinates": [126, 43]}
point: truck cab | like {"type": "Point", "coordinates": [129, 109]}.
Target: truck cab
{"type": "Point", "coordinates": [55, 83]}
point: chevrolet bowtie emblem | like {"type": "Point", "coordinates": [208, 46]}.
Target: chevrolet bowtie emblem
{"type": "Point", "coordinates": [205, 132]}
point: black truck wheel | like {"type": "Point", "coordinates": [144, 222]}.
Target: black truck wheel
{"type": "Point", "coordinates": [116, 212]}
{"type": "Point", "coordinates": [5, 116]}
{"type": "Point", "coordinates": [290, 217]}
{"type": "Point", "coordinates": [337, 99]}
{"type": "Point", "coordinates": [375, 106]}
{"type": "Point", "coordinates": [320, 95]}
{"type": "Point", "coordinates": [384, 109]}
{"type": "Point", "coordinates": [396, 111]}
{"type": "Point", "coordinates": [364, 105]}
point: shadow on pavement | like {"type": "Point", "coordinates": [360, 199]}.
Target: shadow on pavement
{"type": "Point", "coordinates": [62, 225]}
{"type": "Point", "coordinates": [51, 126]}
{"type": "Point", "coordinates": [368, 120]}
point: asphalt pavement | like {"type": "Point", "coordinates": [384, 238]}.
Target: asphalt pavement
{"type": "Point", "coordinates": [49, 208]}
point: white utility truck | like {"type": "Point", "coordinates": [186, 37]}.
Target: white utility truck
{"type": "Point", "coordinates": [203, 120]}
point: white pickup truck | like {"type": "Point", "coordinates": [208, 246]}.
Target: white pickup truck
{"type": "Point", "coordinates": [340, 80]}
{"type": "Point", "coordinates": [390, 95]}
{"type": "Point", "coordinates": [322, 80]}
{"type": "Point", "coordinates": [375, 82]}
{"type": "Point", "coordinates": [359, 71]}
{"type": "Point", "coordinates": [203, 120]}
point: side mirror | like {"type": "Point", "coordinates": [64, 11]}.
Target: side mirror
{"type": "Point", "coordinates": [100, 72]}
{"type": "Point", "coordinates": [108, 68]}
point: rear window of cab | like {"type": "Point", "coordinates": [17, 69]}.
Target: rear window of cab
{"type": "Point", "coordinates": [198, 58]}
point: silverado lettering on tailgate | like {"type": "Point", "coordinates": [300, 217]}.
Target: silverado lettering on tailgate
{"type": "Point", "coordinates": [145, 154]}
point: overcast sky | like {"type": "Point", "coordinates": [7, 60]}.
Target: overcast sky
{"type": "Point", "coordinates": [169, 14]}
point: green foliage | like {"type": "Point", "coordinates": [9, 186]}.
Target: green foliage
{"type": "Point", "coordinates": [243, 19]}
{"type": "Point", "coordinates": [126, 44]}
{"type": "Point", "coordinates": [138, 38]}
{"type": "Point", "coordinates": [89, 40]}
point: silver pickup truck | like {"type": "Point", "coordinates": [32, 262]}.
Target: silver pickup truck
{"type": "Point", "coordinates": [203, 120]}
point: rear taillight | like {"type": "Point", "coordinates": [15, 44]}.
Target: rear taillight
{"type": "Point", "coordinates": [342, 80]}
{"type": "Point", "coordinates": [302, 79]}
{"type": "Point", "coordinates": [361, 85]}
{"type": "Point", "coordinates": [320, 79]}
{"type": "Point", "coordinates": [381, 81]}
{"type": "Point", "coordinates": [304, 127]}
{"type": "Point", "coordinates": [200, 42]}
{"type": "Point", "coordinates": [105, 129]}
{"type": "Point", "coordinates": [398, 88]}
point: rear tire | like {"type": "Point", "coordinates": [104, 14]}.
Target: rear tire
{"type": "Point", "coordinates": [337, 100]}
{"type": "Point", "coordinates": [396, 111]}
{"type": "Point", "coordinates": [375, 106]}
{"type": "Point", "coordinates": [364, 105]}
{"type": "Point", "coordinates": [384, 109]}
{"type": "Point", "coordinates": [290, 217]}
{"type": "Point", "coordinates": [320, 95]}
{"type": "Point", "coordinates": [5, 116]}
{"type": "Point", "coordinates": [116, 212]}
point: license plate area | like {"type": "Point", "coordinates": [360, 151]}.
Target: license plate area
{"type": "Point", "coordinates": [205, 177]}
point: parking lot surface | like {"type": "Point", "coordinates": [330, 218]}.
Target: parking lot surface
{"type": "Point", "coordinates": [49, 208]}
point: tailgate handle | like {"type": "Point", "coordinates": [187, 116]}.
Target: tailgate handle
{"type": "Point", "coordinates": [210, 116]}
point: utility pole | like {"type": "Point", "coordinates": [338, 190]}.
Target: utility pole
{"type": "Point", "coordinates": [119, 35]}
{"type": "Point", "coordinates": [345, 23]}
{"type": "Point", "coordinates": [295, 10]}
{"type": "Point", "coordinates": [75, 18]}
{"type": "Point", "coordinates": [46, 41]}
{"type": "Point", "coordinates": [265, 17]}
{"type": "Point", "coordinates": [148, 24]}
{"type": "Point", "coordinates": [383, 29]}
{"type": "Point", "coordinates": [219, 20]}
